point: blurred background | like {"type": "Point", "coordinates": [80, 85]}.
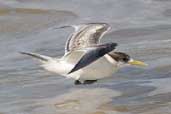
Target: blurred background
{"type": "Point", "coordinates": [142, 28]}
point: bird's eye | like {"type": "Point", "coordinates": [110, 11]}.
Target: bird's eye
{"type": "Point", "coordinates": [125, 59]}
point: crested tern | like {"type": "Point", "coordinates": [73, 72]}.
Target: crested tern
{"type": "Point", "coordinates": [86, 60]}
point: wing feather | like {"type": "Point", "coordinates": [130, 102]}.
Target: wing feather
{"type": "Point", "coordinates": [86, 35]}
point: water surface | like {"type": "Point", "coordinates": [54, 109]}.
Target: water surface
{"type": "Point", "coordinates": [140, 27]}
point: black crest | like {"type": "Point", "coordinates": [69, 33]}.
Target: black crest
{"type": "Point", "coordinates": [120, 56]}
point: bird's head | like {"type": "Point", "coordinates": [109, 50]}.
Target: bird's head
{"type": "Point", "coordinates": [123, 59]}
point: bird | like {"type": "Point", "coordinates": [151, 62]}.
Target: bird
{"type": "Point", "coordinates": [86, 59]}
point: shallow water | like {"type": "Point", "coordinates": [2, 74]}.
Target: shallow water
{"type": "Point", "coordinates": [140, 27]}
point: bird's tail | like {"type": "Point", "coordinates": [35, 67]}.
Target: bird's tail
{"type": "Point", "coordinates": [42, 58]}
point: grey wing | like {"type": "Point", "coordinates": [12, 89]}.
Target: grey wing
{"type": "Point", "coordinates": [86, 35]}
{"type": "Point", "coordinates": [93, 54]}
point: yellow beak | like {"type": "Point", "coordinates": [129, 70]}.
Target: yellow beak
{"type": "Point", "coordinates": [138, 63]}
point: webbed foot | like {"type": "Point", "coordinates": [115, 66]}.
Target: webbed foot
{"type": "Point", "coordinates": [89, 81]}
{"type": "Point", "coordinates": [77, 82]}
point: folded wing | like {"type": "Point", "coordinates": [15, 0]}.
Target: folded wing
{"type": "Point", "coordinates": [92, 54]}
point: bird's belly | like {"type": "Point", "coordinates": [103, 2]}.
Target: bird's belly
{"type": "Point", "coordinates": [61, 68]}
{"type": "Point", "coordinates": [99, 69]}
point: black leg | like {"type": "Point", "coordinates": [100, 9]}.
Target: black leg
{"type": "Point", "coordinates": [77, 82]}
{"type": "Point", "coordinates": [89, 81]}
